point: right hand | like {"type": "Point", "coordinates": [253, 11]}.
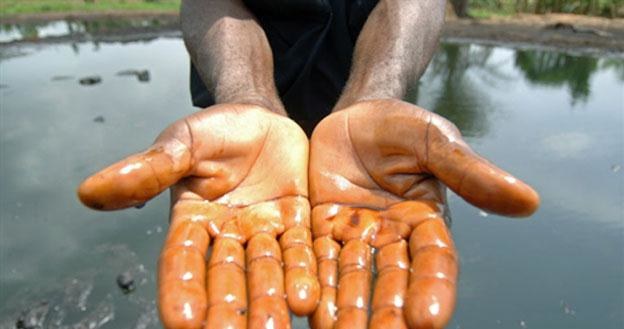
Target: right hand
{"type": "Point", "coordinates": [378, 176]}
{"type": "Point", "coordinates": [238, 176]}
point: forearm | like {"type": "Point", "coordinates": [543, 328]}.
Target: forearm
{"type": "Point", "coordinates": [393, 49]}
{"type": "Point", "coordinates": [231, 52]}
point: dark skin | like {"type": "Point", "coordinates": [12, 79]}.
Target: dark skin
{"type": "Point", "coordinates": [378, 170]}
{"type": "Point", "coordinates": [239, 172]}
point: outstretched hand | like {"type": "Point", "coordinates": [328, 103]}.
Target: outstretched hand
{"type": "Point", "coordinates": [378, 171]}
{"type": "Point", "coordinates": [239, 178]}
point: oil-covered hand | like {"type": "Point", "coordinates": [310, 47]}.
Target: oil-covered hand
{"type": "Point", "coordinates": [238, 176]}
{"type": "Point", "coordinates": [377, 170]}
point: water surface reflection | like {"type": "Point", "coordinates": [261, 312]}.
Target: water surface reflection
{"type": "Point", "coordinates": [554, 119]}
{"type": "Point", "coordinates": [86, 27]}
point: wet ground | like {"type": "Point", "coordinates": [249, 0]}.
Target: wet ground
{"type": "Point", "coordinates": [553, 31]}
{"type": "Point", "coordinates": [568, 32]}
{"type": "Point", "coordinates": [88, 27]}
{"type": "Point", "coordinates": [553, 119]}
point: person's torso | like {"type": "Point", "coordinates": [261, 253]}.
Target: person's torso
{"type": "Point", "coordinates": [312, 43]}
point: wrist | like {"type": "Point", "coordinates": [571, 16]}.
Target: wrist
{"type": "Point", "coordinates": [264, 100]}
{"type": "Point", "coordinates": [350, 98]}
{"type": "Point", "coordinates": [365, 87]}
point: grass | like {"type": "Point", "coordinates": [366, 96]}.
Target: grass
{"type": "Point", "coordinates": [17, 7]}
{"type": "Point", "coordinates": [476, 8]}
{"type": "Point", "coordinates": [484, 13]}
{"type": "Point", "coordinates": [493, 8]}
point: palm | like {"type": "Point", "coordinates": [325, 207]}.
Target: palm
{"type": "Point", "coordinates": [242, 156]}
{"type": "Point", "coordinates": [375, 182]}
{"type": "Point", "coordinates": [239, 176]}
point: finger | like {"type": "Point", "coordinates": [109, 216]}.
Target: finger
{"type": "Point", "coordinates": [300, 269]}
{"type": "Point", "coordinates": [401, 218]}
{"type": "Point", "coordinates": [472, 177]}
{"type": "Point", "coordinates": [136, 179]}
{"type": "Point", "coordinates": [392, 267]}
{"type": "Point", "coordinates": [354, 285]}
{"type": "Point", "coordinates": [302, 287]}
{"type": "Point", "coordinates": [227, 293]}
{"type": "Point", "coordinates": [181, 274]}
{"type": "Point", "coordinates": [345, 223]}
{"type": "Point", "coordinates": [327, 251]}
{"type": "Point", "coordinates": [432, 284]}
{"type": "Point", "coordinates": [265, 281]}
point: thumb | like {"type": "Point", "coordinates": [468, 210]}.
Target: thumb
{"type": "Point", "coordinates": [137, 178]}
{"type": "Point", "coordinates": [474, 178]}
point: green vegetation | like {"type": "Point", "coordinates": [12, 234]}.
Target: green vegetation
{"type": "Point", "coordinates": [488, 8]}
{"type": "Point", "coordinates": [473, 8]}
{"type": "Point", "coordinates": [453, 85]}
{"type": "Point", "coordinates": [557, 69]}
{"type": "Point", "coordinates": [15, 7]}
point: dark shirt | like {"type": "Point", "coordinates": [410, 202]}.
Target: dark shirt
{"type": "Point", "coordinates": [312, 43]}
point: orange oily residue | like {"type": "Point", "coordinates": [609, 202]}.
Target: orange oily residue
{"type": "Point", "coordinates": [261, 264]}
{"type": "Point", "coordinates": [417, 266]}
{"type": "Point", "coordinates": [376, 227]}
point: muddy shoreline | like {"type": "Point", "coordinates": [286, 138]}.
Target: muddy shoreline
{"type": "Point", "coordinates": [554, 31]}
{"type": "Point", "coordinates": [561, 31]}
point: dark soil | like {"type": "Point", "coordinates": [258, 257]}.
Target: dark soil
{"type": "Point", "coordinates": [553, 31]}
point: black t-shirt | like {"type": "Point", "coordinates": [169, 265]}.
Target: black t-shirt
{"type": "Point", "coordinates": [312, 43]}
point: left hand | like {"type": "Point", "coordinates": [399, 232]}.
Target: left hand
{"type": "Point", "coordinates": [377, 170]}
{"type": "Point", "coordinates": [238, 177]}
